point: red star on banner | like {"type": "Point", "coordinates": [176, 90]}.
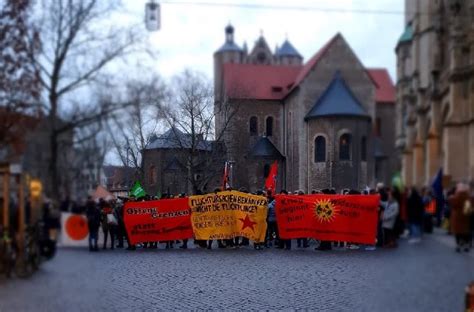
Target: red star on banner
{"type": "Point", "coordinates": [247, 223]}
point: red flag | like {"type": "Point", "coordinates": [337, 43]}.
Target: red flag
{"type": "Point", "coordinates": [225, 179]}
{"type": "Point", "coordinates": [271, 181]}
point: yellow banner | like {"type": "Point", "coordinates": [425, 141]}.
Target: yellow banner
{"type": "Point", "coordinates": [229, 214]}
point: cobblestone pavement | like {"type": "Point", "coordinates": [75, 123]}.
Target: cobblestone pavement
{"type": "Point", "coordinates": [425, 277]}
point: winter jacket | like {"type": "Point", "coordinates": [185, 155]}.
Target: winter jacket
{"type": "Point", "coordinates": [390, 215]}
{"type": "Point", "coordinates": [460, 222]}
{"type": "Point", "coordinates": [415, 209]}
{"type": "Point", "coordinates": [271, 212]}
{"type": "Point", "coordinates": [93, 215]}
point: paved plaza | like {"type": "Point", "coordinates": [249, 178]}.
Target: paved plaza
{"type": "Point", "coordinates": [425, 277]}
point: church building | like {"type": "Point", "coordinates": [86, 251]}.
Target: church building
{"type": "Point", "coordinates": [329, 121]}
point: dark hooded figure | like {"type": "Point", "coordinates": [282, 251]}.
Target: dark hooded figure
{"type": "Point", "coordinates": [93, 220]}
{"type": "Point", "coordinates": [415, 215]}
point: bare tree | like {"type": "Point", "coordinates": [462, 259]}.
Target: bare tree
{"type": "Point", "coordinates": [133, 128]}
{"type": "Point", "coordinates": [19, 80]}
{"type": "Point", "coordinates": [191, 115]}
{"type": "Point", "coordinates": [91, 145]}
{"type": "Point", "coordinates": [79, 40]}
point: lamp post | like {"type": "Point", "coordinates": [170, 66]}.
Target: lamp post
{"type": "Point", "coordinates": [36, 188]}
{"type": "Point", "coordinates": [152, 16]}
{"type": "Point", "coordinates": [231, 173]}
{"type": "Point", "coordinates": [5, 170]}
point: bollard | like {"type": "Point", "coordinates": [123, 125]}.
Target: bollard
{"type": "Point", "coordinates": [469, 297]}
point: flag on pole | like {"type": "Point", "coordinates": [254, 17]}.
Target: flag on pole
{"type": "Point", "coordinates": [270, 182]}
{"type": "Point", "coordinates": [437, 185]}
{"type": "Point", "coordinates": [225, 179]}
{"type": "Point", "coordinates": [397, 181]}
{"type": "Point", "coordinates": [137, 190]}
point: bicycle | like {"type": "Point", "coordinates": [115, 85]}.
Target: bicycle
{"type": "Point", "coordinates": [30, 260]}
{"type": "Point", "coordinates": [7, 254]}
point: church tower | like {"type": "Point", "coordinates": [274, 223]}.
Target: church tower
{"type": "Point", "coordinates": [288, 55]}
{"type": "Point", "coordinates": [228, 53]}
{"type": "Point", "coordinates": [261, 53]}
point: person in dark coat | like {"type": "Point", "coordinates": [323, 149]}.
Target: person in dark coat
{"type": "Point", "coordinates": [118, 211]}
{"type": "Point", "coordinates": [93, 220]}
{"type": "Point", "coordinates": [415, 215]}
{"type": "Point", "coordinates": [107, 226]}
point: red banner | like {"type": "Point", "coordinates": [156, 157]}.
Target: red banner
{"type": "Point", "coordinates": [158, 220]}
{"type": "Point", "coordinates": [346, 218]}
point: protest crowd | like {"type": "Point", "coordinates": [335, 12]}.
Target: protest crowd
{"type": "Point", "coordinates": [411, 214]}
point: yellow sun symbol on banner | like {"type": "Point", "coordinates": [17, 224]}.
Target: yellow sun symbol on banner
{"type": "Point", "coordinates": [324, 210]}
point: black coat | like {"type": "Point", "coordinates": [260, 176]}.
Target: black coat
{"type": "Point", "coordinates": [93, 215]}
{"type": "Point", "coordinates": [415, 209]}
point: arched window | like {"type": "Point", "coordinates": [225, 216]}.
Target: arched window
{"type": "Point", "coordinates": [269, 126]}
{"type": "Point", "coordinates": [152, 175]}
{"type": "Point", "coordinates": [253, 127]}
{"type": "Point", "coordinates": [363, 149]}
{"type": "Point", "coordinates": [266, 170]}
{"type": "Point", "coordinates": [320, 149]}
{"type": "Point", "coordinates": [345, 147]}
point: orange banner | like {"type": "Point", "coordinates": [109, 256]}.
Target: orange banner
{"type": "Point", "coordinates": [158, 220]}
{"type": "Point", "coordinates": [346, 218]}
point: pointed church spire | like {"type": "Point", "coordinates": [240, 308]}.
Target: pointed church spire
{"type": "Point", "coordinates": [229, 44]}
{"type": "Point", "coordinates": [229, 33]}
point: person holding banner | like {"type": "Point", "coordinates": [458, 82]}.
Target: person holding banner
{"type": "Point", "coordinates": [389, 217]}
{"type": "Point", "coordinates": [301, 242]}
{"type": "Point", "coordinates": [271, 220]}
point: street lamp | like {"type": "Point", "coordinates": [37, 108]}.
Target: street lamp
{"type": "Point", "coordinates": [231, 172]}
{"type": "Point", "coordinates": [152, 16]}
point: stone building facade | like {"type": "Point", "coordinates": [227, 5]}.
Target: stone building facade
{"type": "Point", "coordinates": [174, 163]}
{"type": "Point", "coordinates": [328, 122]}
{"type": "Point", "coordinates": [435, 91]}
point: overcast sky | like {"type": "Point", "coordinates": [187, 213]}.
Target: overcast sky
{"type": "Point", "coordinates": [190, 34]}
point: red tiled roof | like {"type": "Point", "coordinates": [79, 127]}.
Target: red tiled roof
{"type": "Point", "coordinates": [267, 82]}
{"type": "Point", "coordinates": [385, 92]}
{"type": "Point", "coordinates": [263, 82]}
{"type": "Point", "coordinates": [314, 60]}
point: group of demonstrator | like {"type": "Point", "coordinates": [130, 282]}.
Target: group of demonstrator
{"type": "Point", "coordinates": [400, 213]}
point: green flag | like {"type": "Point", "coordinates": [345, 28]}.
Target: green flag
{"type": "Point", "coordinates": [397, 181]}
{"type": "Point", "coordinates": [137, 190]}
